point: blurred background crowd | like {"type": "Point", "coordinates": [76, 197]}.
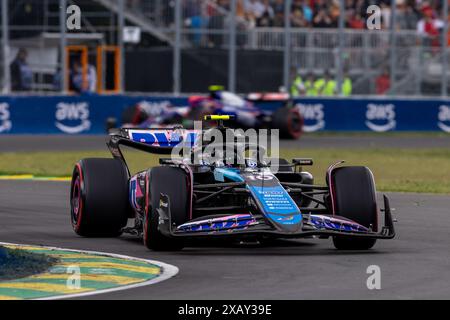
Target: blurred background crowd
{"type": "Point", "coordinates": [421, 15]}
{"type": "Point", "coordinates": [329, 49]}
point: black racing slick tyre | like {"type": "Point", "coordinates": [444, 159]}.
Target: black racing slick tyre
{"type": "Point", "coordinates": [133, 115]}
{"type": "Point", "coordinates": [354, 196]}
{"type": "Point", "coordinates": [175, 183]}
{"type": "Point", "coordinates": [289, 121]}
{"type": "Point", "coordinates": [99, 197]}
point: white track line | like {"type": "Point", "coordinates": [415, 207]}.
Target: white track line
{"type": "Point", "coordinates": [168, 271]}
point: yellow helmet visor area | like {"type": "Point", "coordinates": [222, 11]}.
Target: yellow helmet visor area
{"type": "Point", "coordinates": [215, 88]}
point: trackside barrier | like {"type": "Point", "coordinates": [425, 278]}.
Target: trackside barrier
{"type": "Point", "coordinates": [87, 114]}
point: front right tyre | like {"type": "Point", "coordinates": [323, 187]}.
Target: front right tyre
{"type": "Point", "coordinates": [99, 197]}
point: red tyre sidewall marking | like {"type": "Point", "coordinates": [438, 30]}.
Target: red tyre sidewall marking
{"type": "Point", "coordinates": [136, 116]}
{"type": "Point", "coordinates": [375, 227]}
{"type": "Point", "coordinates": [331, 185]}
{"type": "Point", "coordinates": [295, 134]}
{"type": "Point", "coordinates": [146, 209]}
{"type": "Point", "coordinates": [332, 194]}
{"type": "Point", "coordinates": [81, 196]}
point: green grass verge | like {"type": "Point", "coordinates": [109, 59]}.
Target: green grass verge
{"type": "Point", "coordinates": [398, 134]}
{"type": "Point", "coordinates": [405, 170]}
{"type": "Point", "coordinates": [15, 263]}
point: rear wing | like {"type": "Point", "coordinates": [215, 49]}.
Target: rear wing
{"type": "Point", "coordinates": [156, 141]}
{"type": "Point", "coordinates": [161, 140]}
{"type": "Point", "coordinates": [268, 96]}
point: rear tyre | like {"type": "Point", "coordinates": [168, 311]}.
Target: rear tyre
{"type": "Point", "coordinates": [289, 121]}
{"type": "Point", "coordinates": [133, 115]}
{"type": "Point", "coordinates": [175, 183]}
{"type": "Point", "coordinates": [99, 197]}
{"type": "Point", "coordinates": [355, 198]}
{"type": "Point", "coordinates": [111, 124]}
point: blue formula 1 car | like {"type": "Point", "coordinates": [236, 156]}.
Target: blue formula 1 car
{"type": "Point", "coordinates": [245, 196]}
{"type": "Point", "coordinates": [246, 112]}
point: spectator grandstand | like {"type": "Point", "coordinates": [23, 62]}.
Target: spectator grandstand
{"type": "Point", "coordinates": [304, 13]}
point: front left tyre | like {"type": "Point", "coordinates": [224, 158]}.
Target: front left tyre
{"type": "Point", "coordinates": [99, 197]}
{"type": "Point", "coordinates": [354, 195]}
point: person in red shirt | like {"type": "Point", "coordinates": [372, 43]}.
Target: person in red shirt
{"type": "Point", "coordinates": [430, 26]}
{"type": "Point", "coordinates": [356, 21]}
{"type": "Point", "coordinates": [383, 82]}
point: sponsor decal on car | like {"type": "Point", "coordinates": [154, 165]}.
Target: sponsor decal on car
{"type": "Point", "coordinates": [275, 202]}
{"type": "Point", "coordinates": [72, 118]}
{"type": "Point", "coordinates": [313, 116]}
{"type": "Point", "coordinates": [337, 224]}
{"type": "Point", "coordinates": [163, 138]}
{"type": "Point", "coordinates": [226, 223]}
{"type": "Point", "coordinates": [5, 122]}
{"type": "Point", "coordinates": [380, 117]}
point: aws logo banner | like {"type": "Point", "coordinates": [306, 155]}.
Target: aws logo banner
{"type": "Point", "coordinates": [381, 117]}
{"type": "Point", "coordinates": [444, 118]}
{"type": "Point", "coordinates": [72, 118]}
{"type": "Point", "coordinates": [313, 115]}
{"type": "Point", "coordinates": [5, 118]}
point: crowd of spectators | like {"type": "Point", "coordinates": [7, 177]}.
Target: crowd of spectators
{"type": "Point", "coordinates": [422, 15]}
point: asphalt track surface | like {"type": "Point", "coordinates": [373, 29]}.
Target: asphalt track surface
{"type": "Point", "coordinates": [29, 143]}
{"type": "Point", "coordinates": [416, 264]}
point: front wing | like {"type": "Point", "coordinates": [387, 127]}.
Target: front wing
{"type": "Point", "coordinates": [243, 225]}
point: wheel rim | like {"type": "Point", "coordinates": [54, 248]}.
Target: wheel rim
{"type": "Point", "coordinates": [76, 200]}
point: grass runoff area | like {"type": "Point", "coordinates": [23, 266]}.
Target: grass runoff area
{"type": "Point", "coordinates": [16, 263]}
{"type": "Point", "coordinates": [401, 170]}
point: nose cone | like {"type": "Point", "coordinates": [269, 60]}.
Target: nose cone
{"type": "Point", "coordinates": [274, 202]}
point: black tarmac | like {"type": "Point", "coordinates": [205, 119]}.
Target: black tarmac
{"type": "Point", "coordinates": [414, 265]}
{"type": "Point", "coordinates": [33, 143]}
